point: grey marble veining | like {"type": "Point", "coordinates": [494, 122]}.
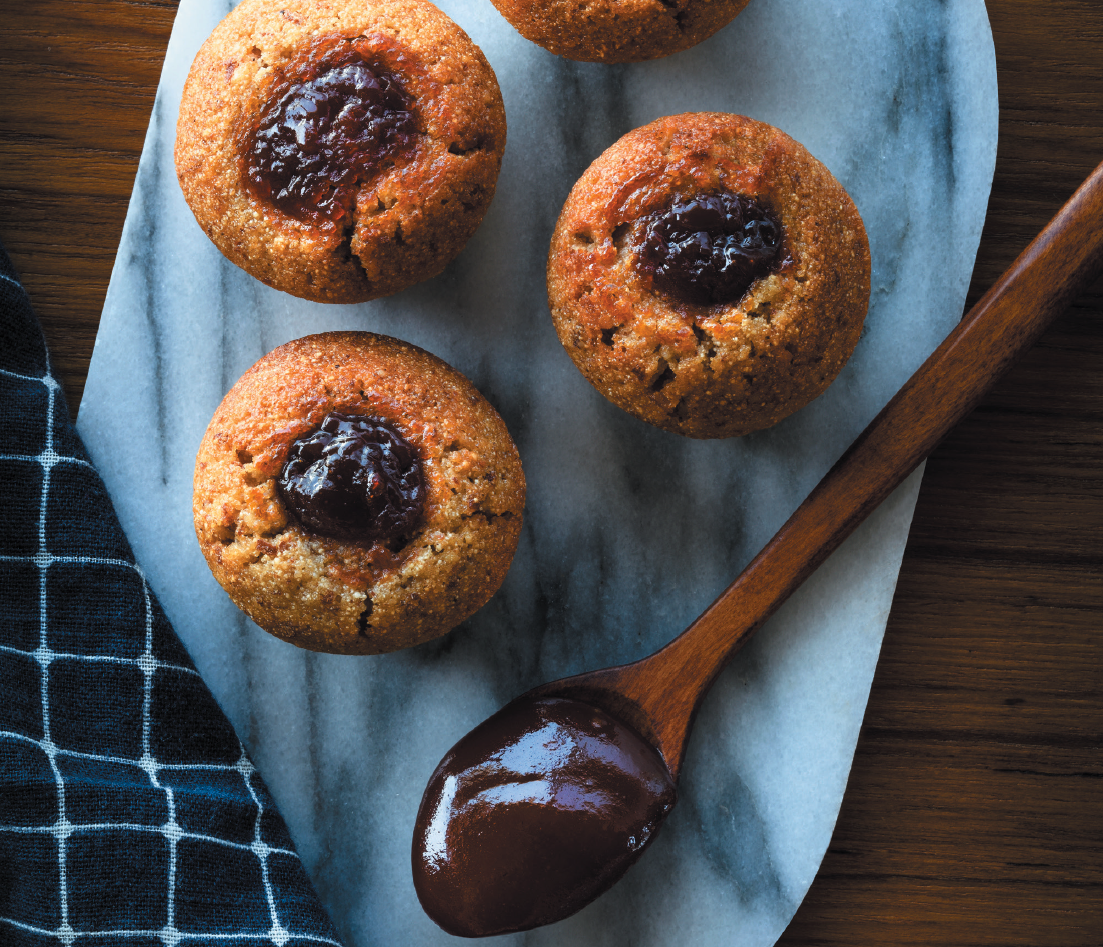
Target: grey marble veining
{"type": "Point", "coordinates": [629, 531]}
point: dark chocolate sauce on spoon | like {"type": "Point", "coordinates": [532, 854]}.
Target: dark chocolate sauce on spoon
{"type": "Point", "coordinates": [533, 814]}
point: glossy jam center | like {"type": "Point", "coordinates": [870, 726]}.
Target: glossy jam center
{"type": "Point", "coordinates": [327, 126]}
{"type": "Point", "coordinates": [533, 814]}
{"type": "Point", "coordinates": [354, 478]}
{"type": "Point", "coordinates": [709, 248]}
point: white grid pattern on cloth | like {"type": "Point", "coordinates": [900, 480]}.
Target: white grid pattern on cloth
{"type": "Point", "coordinates": [147, 663]}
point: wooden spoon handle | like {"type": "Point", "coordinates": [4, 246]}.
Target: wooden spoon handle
{"type": "Point", "coordinates": [1058, 265]}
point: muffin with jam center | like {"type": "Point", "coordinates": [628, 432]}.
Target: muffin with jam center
{"type": "Point", "coordinates": [355, 494]}
{"type": "Point", "coordinates": [708, 275]}
{"type": "Point", "coordinates": [618, 30]}
{"type": "Point", "coordinates": [339, 150]}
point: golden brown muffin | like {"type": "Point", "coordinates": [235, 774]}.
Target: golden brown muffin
{"type": "Point", "coordinates": [336, 594]}
{"type": "Point", "coordinates": [618, 30]}
{"type": "Point", "coordinates": [705, 368]}
{"type": "Point", "coordinates": [415, 153]}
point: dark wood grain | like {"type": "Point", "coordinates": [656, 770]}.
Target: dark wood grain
{"type": "Point", "coordinates": [78, 79]}
{"type": "Point", "coordinates": [974, 813]}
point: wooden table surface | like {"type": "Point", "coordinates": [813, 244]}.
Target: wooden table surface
{"type": "Point", "coordinates": [974, 813]}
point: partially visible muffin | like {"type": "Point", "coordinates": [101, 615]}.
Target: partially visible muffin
{"type": "Point", "coordinates": [339, 150]}
{"type": "Point", "coordinates": [708, 275]}
{"type": "Point", "coordinates": [355, 494]}
{"type": "Point", "coordinates": [618, 30]}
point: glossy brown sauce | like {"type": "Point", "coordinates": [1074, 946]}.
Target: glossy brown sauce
{"type": "Point", "coordinates": [533, 814]}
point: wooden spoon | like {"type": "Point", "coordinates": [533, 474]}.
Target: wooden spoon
{"type": "Point", "coordinates": [543, 806]}
{"type": "Point", "coordinates": [659, 695]}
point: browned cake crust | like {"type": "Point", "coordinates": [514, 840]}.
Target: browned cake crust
{"type": "Point", "coordinates": [618, 30]}
{"type": "Point", "coordinates": [709, 370]}
{"type": "Point", "coordinates": [330, 595]}
{"type": "Point", "coordinates": [413, 216]}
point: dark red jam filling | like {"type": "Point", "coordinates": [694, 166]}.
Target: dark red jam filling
{"type": "Point", "coordinates": [354, 478]}
{"type": "Point", "coordinates": [533, 814]}
{"type": "Point", "coordinates": [709, 248]}
{"type": "Point", "coordinates": [326, 127]}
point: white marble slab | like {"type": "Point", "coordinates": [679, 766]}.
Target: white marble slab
{"type": "Point", "coordinates": [629, 531]}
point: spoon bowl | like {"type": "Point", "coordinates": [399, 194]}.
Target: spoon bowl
{"type": "Point", "coordinates": [561, 797]}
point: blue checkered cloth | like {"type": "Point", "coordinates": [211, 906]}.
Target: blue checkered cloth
{"type": "Point", "coordinates": [129, 811]}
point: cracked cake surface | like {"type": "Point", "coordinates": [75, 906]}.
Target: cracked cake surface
{"type": "Point", "coordinates": [411, 188]}
{"type": "Point", "coordinates": [708, 369]}
{"type": "Point", "coordinates": [618, 30]}
{"type": "Point", "coordinates": [333, 594]}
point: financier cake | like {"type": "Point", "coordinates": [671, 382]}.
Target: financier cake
{"type": "Point", "coordinates": [618, 30]}
{"type": "Point", "coordinates": [355, 494]}
{"type": "Point", "coordinates": [708, 275]}
{"type": "Point", "coordinates": [339, 150]}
